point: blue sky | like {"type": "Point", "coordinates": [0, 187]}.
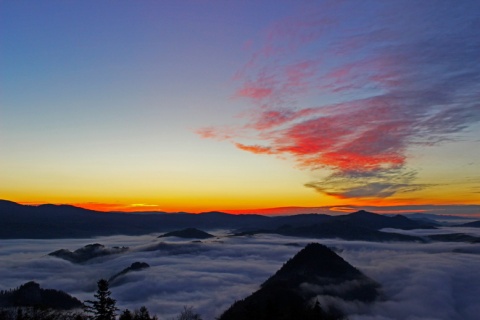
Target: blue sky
{"type": "Point", "coordinates": [110, 103]}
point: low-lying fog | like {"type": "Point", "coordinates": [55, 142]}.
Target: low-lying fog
{"type": "Point", "coordinates": [420, 281]}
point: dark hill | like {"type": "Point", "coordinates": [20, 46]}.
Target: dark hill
{"type": "Point", "coordinates": [290, 293]}
{"type": "Point", "coordinates": [361, 225]}
{"type": "Point", "coordinates": [426, 221]}
{"type": "Point", "coordinates": [302, 219]}
{"type": "Point", "coordinates": [189, 233]}
{"type": "Point", "coordinates": [31, 295]}
{"type": "Point", "coordinates": [337, 229]}
{"type": "Point", "coordinates": [5, 205]}
{"type": "Point", "coordinates": [314, 262]}
{"type": "Point", "coordinates": [86, 253]}
{"type": "Point", "coordinates": [344, 230]}
{"type": "Point", "coordinates": [376, 221]}
{"type": "Point", "coordinates": [474, 224]}
{"type": "Point", "coordinates": [64, 221]}
{"type": "Point", "coordinates": [136, 266]}
{"type": "Point", "coordinates": [435, 217]}
{"type": "Point", "coordinates": [455, 237]}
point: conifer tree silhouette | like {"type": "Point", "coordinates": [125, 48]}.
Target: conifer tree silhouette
{"type": "Point", "coordinates": [126, 315]}
{"type": "Point", "coordinates": [103, 308]}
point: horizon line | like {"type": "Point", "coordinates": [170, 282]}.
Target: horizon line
{"type": "Point", "coordinates": [468, 210]}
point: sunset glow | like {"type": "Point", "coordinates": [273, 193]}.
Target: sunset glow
{"type": "Point", "coordinates": [241, 106]}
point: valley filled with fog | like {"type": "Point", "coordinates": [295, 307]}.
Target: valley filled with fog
{"type": "Point", "coordinates": [434, 280]}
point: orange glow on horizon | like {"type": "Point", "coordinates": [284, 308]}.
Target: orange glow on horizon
{"type": "Point", "coordinates": [380, 207]}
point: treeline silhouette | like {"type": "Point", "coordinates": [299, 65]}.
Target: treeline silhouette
{"type": "Point", "coordinates": [30, 302]}
{"type": "Point", "coordinates": [31, 295]}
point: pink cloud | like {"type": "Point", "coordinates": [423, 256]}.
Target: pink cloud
{"type": "Point", "coordinates": [381, 92]}
{"type": "Point", "coordinates": [270, 118]}
{"type": "Point", "coordinates": [218, 133]}
{"type": "Point", "coordinates": [207, 133]}
{"type": "Point", "coordinates": [254, 92]}
{"type": "Point", "coordinates": [255, 148]}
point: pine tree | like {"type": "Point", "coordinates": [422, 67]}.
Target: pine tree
{"type": "Point", "coordinates": [103, 308]}
{"type": "Point", "coordinates": [143, 314]}
{"type": "Point", "coordinates": [188, 314]}
{"type": "Point", "coordinates": [126, 315]}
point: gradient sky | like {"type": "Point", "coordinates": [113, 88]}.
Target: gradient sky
{"type": "Point", "coordinates": [234, 105]}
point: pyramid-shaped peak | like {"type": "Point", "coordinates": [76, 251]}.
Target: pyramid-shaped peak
{"type": "Point", "coordinates": [315, 261]}
{"type": "Point", "coordinates": [192, 233]}
{"type": "Point", "coordinates": [363, 213]}
{"type": "Point", "coordinates": [314, 271]}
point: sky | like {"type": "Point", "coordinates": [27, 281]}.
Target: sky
{"type": "Point", "coordinates": [238, 105]}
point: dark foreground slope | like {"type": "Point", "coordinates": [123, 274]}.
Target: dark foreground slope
{"type": "Point", "coordinates": [31, 295]}
{"type": "Point", "coordinates": [290, 294]}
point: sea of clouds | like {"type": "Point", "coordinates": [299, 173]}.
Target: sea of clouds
{"type": "Point", "coordinates": [435, 280]}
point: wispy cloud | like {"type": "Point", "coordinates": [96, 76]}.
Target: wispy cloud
{"type": "Point", "coordinates": [351, 93]}
{"type": "Point", "coordinates": [363, 184]}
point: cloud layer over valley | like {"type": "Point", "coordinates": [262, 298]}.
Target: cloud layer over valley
{"type": "Point", "coordinates": [420, 281]}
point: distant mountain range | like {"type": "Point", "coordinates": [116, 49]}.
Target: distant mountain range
{"type": "Point", "coordinates": [435, 217]}
{"type": "Point", "coordinates": [473, 224]}
{"type": "Point", "coordinates": [438, 219]}
{"type": "Point", "coordinates": [338, 229]}
{"type": "Point", "coordinates": [359, 225]}
{"type": "Point", "coordinates": [455, 237]}
{"type": "Point", "coordinates": [64, 221]}
{"type": "Point", "coordinates": [291, 293]}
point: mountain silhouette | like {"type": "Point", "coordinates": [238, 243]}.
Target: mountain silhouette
{"type": "Point", "coordinates": [31, 295]}
{"type": "Point", "coordinates": [343, 229]}
{"type": "Point", "coordinates": [189, 233]}
{"type": "Point", "coordinates": [65, 221]}
{"type": "Point", "coordinates": [291, 292]}
{"type": "Point", "coordinates": [360, 225]}
{"type": "Point", "coordinates": [376, 221]}
{"type": "Point", "coordinates": [435, 218]}
{"type": "Point", "coordinates": [136, 266]}
{"type": "Point", "coordinates": [473, 224]}
{"type": "Point", "coordinates": [86, 253]}
{"type": "Point", "coordinates": [454, 237]}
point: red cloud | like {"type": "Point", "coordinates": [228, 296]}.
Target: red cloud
{"type": "Point", "coordinates": [255, 149]}
{"type": "Point", "coordinates": [378, 92]}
